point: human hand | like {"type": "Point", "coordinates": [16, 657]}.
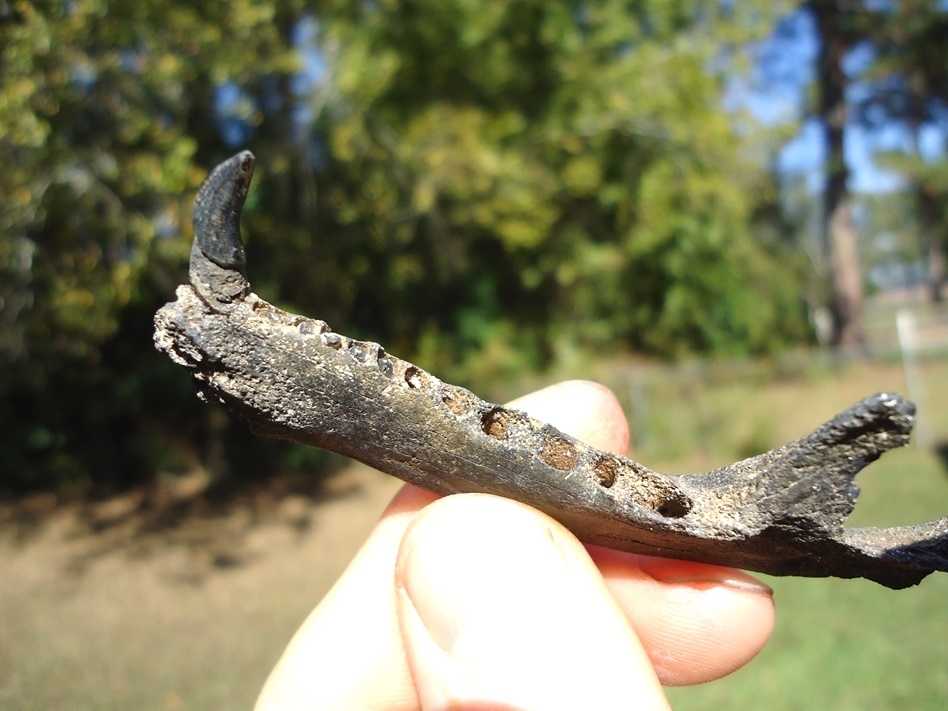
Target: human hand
{"type": "Point", "coordinates": [477, 602]}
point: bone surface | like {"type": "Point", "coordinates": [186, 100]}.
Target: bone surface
{"type": "Point", "coordinates": [293, 378]}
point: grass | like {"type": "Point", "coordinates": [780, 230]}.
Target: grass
{"type": "Point", "coordinates": [110, 617]}
{"type": "Point", "coordinates": [853, 644]}
{"type": "Point", "coordinates": [188, 617]}
{"type": "Point", "coordinates": [841, 644]}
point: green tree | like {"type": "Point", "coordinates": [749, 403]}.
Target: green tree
{"type": "Point", "coordinates": [107, 121]}
{"type": "Point", "coordinates": [483, 186]}
{"type": "Point", "coordinates": [534, 177]}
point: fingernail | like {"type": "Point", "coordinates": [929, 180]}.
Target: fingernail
{"type": "Point", "coordinates": [681, 572]}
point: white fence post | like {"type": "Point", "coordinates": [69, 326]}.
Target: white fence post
{"type": "Point", "coordinates": [907, 327]}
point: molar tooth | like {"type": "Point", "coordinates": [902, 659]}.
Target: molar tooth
{"type": "Point", "coordinates": [358, 351]}
{"type": "Point", "coordinates": [386, 367]}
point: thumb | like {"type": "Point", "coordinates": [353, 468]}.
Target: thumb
{"type": "Point", "coordinates": [500, 607]}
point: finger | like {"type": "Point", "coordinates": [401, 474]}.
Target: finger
{"type": "Point", "coordinates": [697, 622]}
{"type": "Point", "coordinates": [585, 410]}
{"type": "Point", "coordinates": [367, 668]}
{"type": "Point", "coordinates": [514, 617]}
{"type": "Point", "coordinates": [348, 654]}
{"type": "Point", "coordinates": [349, 651]}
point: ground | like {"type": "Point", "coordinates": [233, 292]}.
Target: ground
{"type": "Point", "coordinates": [114, 606]}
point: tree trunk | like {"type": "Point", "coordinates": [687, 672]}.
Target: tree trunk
{"type": "Point", "coordinates": [840, 238]}
{"type": "Point", "coordinates": [936, 269]}
{"type": "Point", "coordinates": [928, 211]}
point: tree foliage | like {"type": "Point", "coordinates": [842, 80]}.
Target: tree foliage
{"type": "Point", "coordinates": [485, 187]}
{"type": "Point", "coordinates": [549, 174]}
{"type": "Point", "coordinates": [106, 114]}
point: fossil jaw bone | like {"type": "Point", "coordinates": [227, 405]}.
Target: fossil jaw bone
{"type": "Point", "coordinates": [292, 378]}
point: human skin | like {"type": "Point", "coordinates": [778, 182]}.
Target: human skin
{"type": "Point", "coordinates": [477, 602]}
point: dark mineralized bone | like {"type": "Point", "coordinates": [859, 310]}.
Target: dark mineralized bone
{"type": "Point", "coordinates": [292, 378]}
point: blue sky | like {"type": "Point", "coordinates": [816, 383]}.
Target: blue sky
{"type": "Point", "coordinates": [777, 93]}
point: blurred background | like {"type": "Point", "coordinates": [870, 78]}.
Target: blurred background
{"type": "Point", "coordinates": [731, 213]}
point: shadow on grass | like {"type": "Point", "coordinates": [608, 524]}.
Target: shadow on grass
{"type": "Point", "coordinates": [941, 451]}
{"type": "Point", "coordinates": [208, 518]}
